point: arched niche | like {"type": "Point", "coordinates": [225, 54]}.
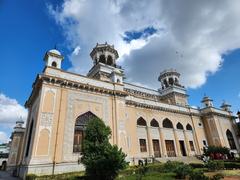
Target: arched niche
{"type": "Point", "coordinates": [189, 127]}
{"type": "Point", "coordinates": [43, 142]}
{"type": "Point", "coordinates": [167, 123]}
{"type": "Point", "coordinates": [48, 102]}
{"type": "Point", "coordinates": [154, 123]}
{"type": "Point", "coordinates": [179, 126]}
{"type": "Point", "coordinates": [141, 122]}
{"type": "Point", "coordinates": [230, 139]}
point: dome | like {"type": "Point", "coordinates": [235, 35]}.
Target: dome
{"type": "Point", "coordinates": [54, 51]}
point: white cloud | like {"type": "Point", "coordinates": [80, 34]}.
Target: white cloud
{"type": "Point", "coordinates": [76, 50]}
{"type": "Point", "coordinates": [196, 35]}
{"type": "Point", "coordinates": [3, 137]}
{"type": "Point", "coordinates": [10, 111]}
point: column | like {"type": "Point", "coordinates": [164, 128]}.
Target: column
{"type": "Point", "coordinates": [187, 143]}
{"type": "Point", "coordinates": [163, 146]}
{"type": "Point", "coordinates": [149, 139]}
{"type": "Point", "coordinates": [196, 143]}
{"type": "Point", "coordinates": [178, 151]}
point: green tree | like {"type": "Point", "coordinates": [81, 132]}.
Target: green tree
{"type": "Point", "coordinates": [101, 159]}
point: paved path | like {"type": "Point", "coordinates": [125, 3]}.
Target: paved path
{"type": "Point", "coordinates": [6, 176]}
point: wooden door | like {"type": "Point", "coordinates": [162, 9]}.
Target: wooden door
{"type": "Point", "coordinates": [170, 148]}
{"type": "Point", "coordinates": [156, 148]}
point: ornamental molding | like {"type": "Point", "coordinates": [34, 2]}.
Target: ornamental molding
{"type": "Point", "coordinates": [77, 85]}
{"type": "Point", "coordinates": [159, 108]}
{"type": "Point", "coordinates": [74, 97]}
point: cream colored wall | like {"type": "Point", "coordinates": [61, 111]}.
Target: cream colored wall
{"type": "Point", "coordinates": [133, 113]}
{"type": "Point", "coordinates": [57, 116]}
{"type": "Point", "coordinates": [59, 108]}
{"type": "Point", "coordinates": [33, 114]}
{"type": "Point", "coordinates": [223, 125]}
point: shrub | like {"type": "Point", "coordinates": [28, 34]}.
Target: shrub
{"type": "Point", "coordinates": [182, 170]}
{"type": "Point", "coordinates": [101, 159]}
{"type": "Point", "coordinates": [216, 152]}
{"type": "Point", "coordinates": [179, 168]}
{"type": "Point", "coordinates": [156, 167]}
{"type": "Point", "coordinates": [170, 166]}
{"type": "Point", "coordinates": [196, 165]}
{"type": "Point", "coordinates": [141, 171]}
{"type": "Point", "coordinates": [214, 165]}
{"type": "Point", "coordinates": [231, 165]}
{"type": "Point", "coordinates": [217, 176]}
{"type": "Point", "coordinates": [31, 177]}
{"type": "Point", "coordinates": [197, 175]}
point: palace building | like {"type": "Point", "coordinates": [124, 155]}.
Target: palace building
{"type": "Point", "coordinates": [144, 122]}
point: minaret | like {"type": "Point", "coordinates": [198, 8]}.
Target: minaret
{"type": "Point", "coordinates": [53, 58]}
{"type": "Point", "coordinates": [207, 102]}
{"type": "Point", "coordinates": [16, 148]}
{"type": "Point", "coordinates": [172, 91]}
{"type": "Point", "coordinates": [104, 58]}
{"type": "Point", "coordinates": [225, 106]}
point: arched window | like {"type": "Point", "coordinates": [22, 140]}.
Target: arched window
{"type": "Point", "coordinates": [176, 81]}
{"type": "Point", "coordinates": [102, 59]}
{"type": "Point", "coordinates": [29, 138]}
{"type": "Point", "coordinates": [154, 123]}
{"type": "Point", "coordinates": [165, 83]}
{"type": "Point", "coordinates": [167, 123]}
{"type": "Point", "coordinates": [230, 139]}
{"type": "Point", "coordinates": [109, 60]}
{"type": "Point", "coordinates": [54, 64]}
{"type": "Point", "coordinates": [179, 126]}
{"type": "Point", "coordinates": [80, 126]}
{"type": "Point", "coordinates": [189, 127]}
{"type": "Point", "coordinates": [171, 82]}
{"type": "Point", "coordinates": [141, 122]}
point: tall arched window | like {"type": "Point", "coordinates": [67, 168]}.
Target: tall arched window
{"type": "Point", "coordinates": [29, 138]}
{"type": "Point", "coordinates": [102, 59]}
{"type": "Point", "coordinates": [189, 127]}
{"type": "Point", "coordinates": [171, 81]}
{"type": "Point", "coordinates": [141, 122]}
{"type": "Point", "coordinates": [167, 123]}
{"type": "Point", "coordinates": [154, 123]}
{"type": "Point", "coordinates": [179, 126]}
{"type": "Point", "coordinates": [230, 139]}
{"type": "Point", "coordinates": [109, 60]}
{"type": "Point", "coordinates": [80, 126]}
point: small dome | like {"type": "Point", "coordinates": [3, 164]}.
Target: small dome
{"type": "Point", "coordinates": [54, 51]}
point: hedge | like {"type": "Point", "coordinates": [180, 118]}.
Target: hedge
{"type": "Point", "coordinates": [232, 165]}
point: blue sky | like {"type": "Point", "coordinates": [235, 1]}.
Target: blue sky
{"type": "Point", "coordinates": [29, 29]}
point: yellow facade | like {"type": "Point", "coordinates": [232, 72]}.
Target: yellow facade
{"type": "Point", "coordinates": [59, 98]}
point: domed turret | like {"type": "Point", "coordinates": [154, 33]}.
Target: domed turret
{"type": "Point", "coordinates": [104, 53]}
{"type": "Point", "coordinates": [169, 78]}
{"type": "Point", "coordinates": [225, 106]}
{"type": "Point", "coordinates": [53, 58]}
{"type": "Point", "coordinates": [104, 57]}
{"type": "Point", "coordinates": [207, 102]}
{"type": "Point", "coordinates": [172, 91]}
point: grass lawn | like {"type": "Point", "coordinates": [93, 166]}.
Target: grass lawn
{"type": "Point", "coordinates": [150, 176]}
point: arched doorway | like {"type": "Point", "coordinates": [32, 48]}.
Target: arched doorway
{"type": "Point", "coordinates": [80, 126]}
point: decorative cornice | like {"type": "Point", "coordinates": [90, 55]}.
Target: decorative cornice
{"type": "Point", "coordinates": [76, 85]}
{"type": "Point", "coordinates": [143, 95]}
{"type": "Point", "coordinates": [159, 108]}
